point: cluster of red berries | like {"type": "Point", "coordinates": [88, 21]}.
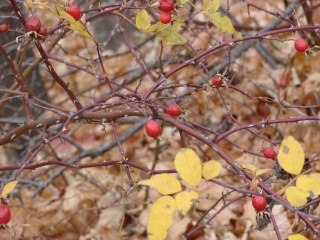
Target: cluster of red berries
{"type": "Point", "coordinates": [33, 24]}
{"type": "Point", "coordinates": [4, 27]}
{"type": "Point", "coordinates": [166, 6]}
{"type": "Point", "coordinates": [5, 214]}
{"type": "Point", "coordinates": [153, 128]}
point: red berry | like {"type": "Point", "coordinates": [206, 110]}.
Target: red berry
{"type": "Point", "coordinates": [4, 27]}
{"type": "Point", "coordinates": [282, 83]}
{"type": "Point", "coordinates": [5, 214]}
{"type": "Point", "coordinates": [33, 24]}
{"type": "Point", "coordinates": [259, 203]}
{"type": "Point", "coordinates": [269, 152]}
{"type": "Point", "coordinates": [74, 11]}
{"type": "Point", "coordinates": [216, 81]}
{"type": "Point", "coordinates": [153, 128]}
{"type": "Point", "coordinates": [174, 110]}
{"type": "Point", "coordinates": [43, 31]}
{"type": "Point", "coordinates": [166, 5]}
{"type": "Point", "coordinates": [263, 110]}
{"type": "Point", "coordinates": [301, 45]}
{"type": "Point", "coordinates": [165, 17]}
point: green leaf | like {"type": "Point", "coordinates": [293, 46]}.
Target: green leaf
{"type": "Point", "coordinates": [142, 20]}
{"type": "Point", "coordinates": [163, 183]}
{"type": "Point", "coordinates": [180, 2]}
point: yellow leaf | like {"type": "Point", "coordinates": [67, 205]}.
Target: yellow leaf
{"type": "Point", "coordinates": [296, 196]}
{"type": "Point", "coordinates": [28, 4]}
{"type": "Point", "coordinates": [142, 20]}
{"type": "Point", "coordinates": [262, 171]}
{"type": "Point", "coordinates": [163, 183]}
{"type": "Point", "coordinates": [182, 1]}
{"type": "Point", "coordinates": [211, 169]}
{"type": "Point", "coordinates": [79, 28]}
{"type": "Point", "coordinates": [173, 39]}
{"type": "Point", "coordinates": [74, 25]}
{"type": "Point", "coordinates": [65, 15]}
{"type": "Point", "coordinates": [247, 166]}
{"type": "Point", "coordinates": [211, 6]}
{"type": "Point", "coordinates": [8, 188]}
{"type": "Point", "coordinates": [315, 176]}
{"type": "Point", "coordinates": [291, 156]}
{"type": "Point", "coordinates": [185, 201]}
{"type": "Point", "coordinates": [222, 22]}
{"type": "Point", "coordinates": [188, 165]}
{"type": "Point", "coordinates": [169, 32]}
{"type": "Point", "coordinates": [160, 217]}
{"type": "Point", "coordinates": [297, 237]}
{"type": "Point", "coordinates": [308, 184]}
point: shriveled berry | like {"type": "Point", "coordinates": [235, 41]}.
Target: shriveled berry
{"type": "Point", "coordinates": [165, 17]}
{"type": "Point", "coordinates": [153, 128]}
{"type": "Point", "coordinates": [166, 5]}
{"type": "Point", "coordinates": [259, 203]}
{"type": "Point", "coordinates": [269, 152]}
{"type": "Point", "coordinates": [74, 11]}
{"type": "Point", "coordinates": [33, 24]}
{"type": "Point", "coordinates": [4, 27]}
{"type": "Point", "coordinates": [282, 83]}
{"type": "Point", "coordinates": [5, 214]}
{"type": "Point", "coordinates": [301, 45]}
{"type": "Point", "coordinates": [216, 81]}
{"type": "Point", "coordinates": [174, 110]}
{"type": "Point", "coordinates": [263, 110]}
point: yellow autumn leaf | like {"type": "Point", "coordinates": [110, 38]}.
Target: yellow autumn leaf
{"type": "Point", "coordinates": [211, 169]}
{"type": "Point", "coordinates": [142, 20]}
{"type": "Point", "coordinates": [79, 28]}
{"type": "Point", "coordinates": [29, 4]}
{"type": "Point", "coordinates": [160, 217]}
{"type": "Point", "coordinates": [222, 22]}
{"type": "Point", "coordinates": [308, 184]}
{"type": "Point", "coordinates": [211, 6]}
{"type": "Point", "coordinates": [169, 32]}
{"type": "Point", "coordinates": [247, 166]}
{"type": "Point", "coordinates": [262, 171]}
{"type": "Point", "coordinates": [297, 237]}
{"type": "Point", "coordinates": [74, 25]}
{"type": "Point", "coordinates": [291, 156]}
{"type": "Point", "coordinates": [8, 188]}
{"type": "Point", "coordinates": [188, 165]}
{"type": "Point", "coordinates": [296, 196]}
{"type": "Point", "coordinates": [315, 176]}
{"type": "Point", "coordinates": [185, 201]}
{"type": "Point", "coordinates": [182, 1]}
{"type": "Point", "coordinates": [164, 183]}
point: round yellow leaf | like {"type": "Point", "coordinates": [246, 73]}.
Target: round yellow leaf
{"type": "Point", "coordinates": [291, 156]}
{"type": "Point", "coordinates": [296, 196]}
{"type": "Point", "coordinates": [211, 169]}
{"type": "Point", "coordinates": [297, 237]}
{"type": "Point", "coordinates": [308, 184]}
{"type": "Point", "coordinates": [188, 165]}
{"type": "Point", "coordinates": [185, 201]}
